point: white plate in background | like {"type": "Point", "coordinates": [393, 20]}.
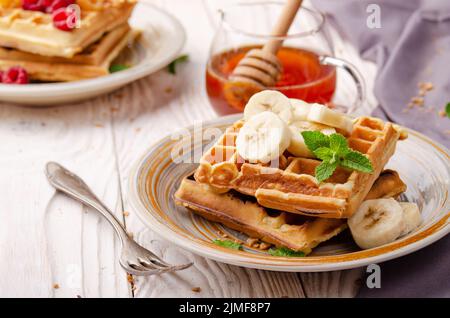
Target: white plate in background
{"type": "Point", "coordinates": [161, 41]}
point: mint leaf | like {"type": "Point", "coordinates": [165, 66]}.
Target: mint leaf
{"type": "Point", "coordinates": [334, 151]}
{"type": "Point", "coordinates": [357, 161]}
{"type": "Point", "coordinates": [447, 110]}
{"type": "Point", "coordinates": [172, 66]}
{"type": "Point", "coordinates": [325, 170]}
{"type": "Point", "coordinates": [118, 67]}
{"type": "Point", "coordinates": [315, 140]}
{"type": "Point", "coordinates": [285, 252]}
{"type": "Point", "coordinates": [339, 144]}
{"type": "Point", "coordinates": [324, 153]}
{"type": "Point", "coordinates": [228, 244]}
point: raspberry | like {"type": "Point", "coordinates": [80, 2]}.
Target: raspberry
{"type": "Point", "coordinates": [60, 18]}
{"type": "Point", "coordinates": [57, 4]}
{"type": "Point", "coordinates": [1, 76]}
{"type": "Point", "coordinates": [15, 75]}
{"type": "Point", "coordinates": [48, 6]}
{"type": "Point", "coordinates": [33, 5]}
{"type": "Point", "coordinates": [64, 19]}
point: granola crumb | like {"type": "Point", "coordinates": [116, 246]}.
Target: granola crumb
{"type": "Point", "coordinates": [55, 286]}
{"type": "Point", "coordinates": [224, 235]}
{"type": "Point", "coordinates": [264, 246]}
{"type": "Point", "coordinates": [419, 101]}
{"type": "Point", "coordinates": [130, 234]}
{"type": "Point", "coordinates": [196, 289]}
{"type": "Point", "coordinates": [251, 241]}
{"type": "Point", "coordinates": [130, 278]}
{"type": "Point", "coordinates": [114, 109]}
{"type": "Point", "coordinates": [126, 213]}
{"type": "Point", "coordinates": [425, 86]}
{"type": "Point", "coordinates": [442, 113]}
{"type": "Point", "coordinates": [98, 125]}
{"type": "Point", "coordinates": [168, 90]}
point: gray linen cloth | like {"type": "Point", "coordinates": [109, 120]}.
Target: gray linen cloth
{"type": "Point", "coordinates": [411, 46]}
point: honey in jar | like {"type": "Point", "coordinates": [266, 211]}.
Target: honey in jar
{"type": "Point", "coordinates": [302, 77]}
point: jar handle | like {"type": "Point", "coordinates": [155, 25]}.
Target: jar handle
{"type": "Point", "coordinates": [355, 75]}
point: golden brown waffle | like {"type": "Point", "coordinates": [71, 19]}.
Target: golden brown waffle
{"type": "Point", "coordinates": [292, 186]}
{"type": "Point", "coordinates": [33, 31]}
{"type": "Point", "coordinates": [244, 214]}
{"type": "Point", "coordinates": [93, 62]}
{"type": "Point", "coordinates": [388, 185]}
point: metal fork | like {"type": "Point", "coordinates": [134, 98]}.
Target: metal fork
{"type": "Point", "coordinates": [134, 258]}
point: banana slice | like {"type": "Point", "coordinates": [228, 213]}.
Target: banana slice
{"type": "Point", "coordinates": [323, 115]}
{"type": "Point", "coordinates": [377, 222]}
{"type": "Point", "coordinates": [297, 147]}
{"type": "Point", "coordinates": [272, 101]}
{"type": "Point", "coordinates": [301, 109]}
{"type": "Point", "coordinates": [264, 137]}
{"type": "Point", "coordinates": [411, 216]}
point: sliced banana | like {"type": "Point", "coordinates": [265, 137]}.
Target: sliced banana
{"type": "Point", "coordinates": [377, 222]}
{"type": "Point", "coordinates": [297, 147]}
{"type": "Point", "coordinates": [264, 137]}
{"type": "Point", "coordinates": [301, 109]}
{"type": "Point", "coordinates": [272, 101]}
{"type": "Point", "coordinates": [323, 115]}
{"type": "Point", "coordinates": [411, 216]}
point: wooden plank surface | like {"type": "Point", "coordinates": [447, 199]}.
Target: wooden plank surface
{"type": "Point", "coordinates": [49, 241]}
{"type": "Point", "coordinates": [46, 239]}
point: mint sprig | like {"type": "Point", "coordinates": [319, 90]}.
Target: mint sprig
{"type": "Point", "coordinates": [334, 151]}
{"type": "Point", "coordinates": [285, 252]}
{"type": "Point", "coordinates": [172, 66]}
{"type": "Point", "coordinates": [228, 244]}
{"type": "Point", "coordinates": [447, 110]}
{"type": "Point", "coordinates": [118, 67]}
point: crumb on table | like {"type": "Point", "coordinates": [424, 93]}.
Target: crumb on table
{"type": "Point", "coordinates": [196, 289]}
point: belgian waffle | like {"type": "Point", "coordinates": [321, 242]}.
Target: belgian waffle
{"type": "Point", "coordinates": [33, 31]}
{"type": "Point", "coordinates": [244, 214]}
{"type": "Point", "coordinates": [94, 61]}
{"type": "Point", "coordinates": [292, 186]}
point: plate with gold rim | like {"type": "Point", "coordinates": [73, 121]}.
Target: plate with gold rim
{"type": "Point", "coordinates": [422, 164]}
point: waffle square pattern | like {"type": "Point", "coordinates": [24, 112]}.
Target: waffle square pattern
{"type": "Point", "coordinates": [291, 186]}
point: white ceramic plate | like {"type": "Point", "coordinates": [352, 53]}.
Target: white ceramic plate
{"type": "Point", "coordinates": [422, 164]}
{"type": "Point", "coordinates": [162, 39]}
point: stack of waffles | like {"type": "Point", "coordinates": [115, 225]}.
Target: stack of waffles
{"type": "Point", "coordinates": [29, 38]}
{"type": "Point", "coordinates": [286, 205]}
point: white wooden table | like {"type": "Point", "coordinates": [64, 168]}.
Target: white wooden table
{"type": "Point", "coordinates": [51, 246]}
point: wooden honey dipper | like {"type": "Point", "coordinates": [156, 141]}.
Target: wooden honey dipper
{"type": "Point", "coordinates": [260, 68]}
